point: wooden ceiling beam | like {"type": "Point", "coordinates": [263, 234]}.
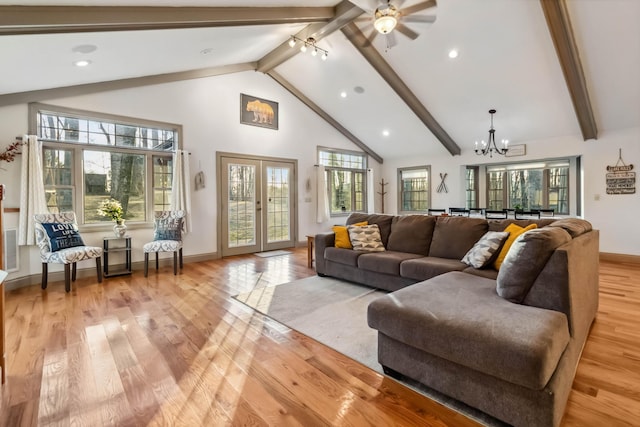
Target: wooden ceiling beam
{"type": "Point", "coordinates": [319, 111]}
{"type": "Point", "coordinates": [133, 82]}
{"type": "Point", "coordinates": [69, 19]}
{"type": "Point", "coordinates": [557, 16]}
{"type": "Point", "coordinates": [360, 42]}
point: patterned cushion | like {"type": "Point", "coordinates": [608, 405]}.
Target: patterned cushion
{"type": "Point", "coordinates": [482, 253]}
{"type": "Point", "coordinates": [62, 235]}
{"type": "Point", "coordinates": [162, 246]}
{"type": "Point", "coordinates": [169, 228]}
{"type": "Point", "coordinates": [365, 238]}
{"type": "Point", "coordinates": [71, 255]}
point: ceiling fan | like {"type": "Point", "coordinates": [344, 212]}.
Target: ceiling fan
{"type": "Point", "coordinates": [388, 17]}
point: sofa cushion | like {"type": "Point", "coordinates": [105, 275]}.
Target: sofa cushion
{"type": "Point", "coordinates": [342, 235]}
{"type": "Point", "coordinates": [411, 233]}
{"type": "Point", "coordinates": [526, 258]}
{"type": "Point", "coordinates": [453, 236]}
{"type": "Point", "coordinates": [514, 231]}
{"type": "Point", "coordinates": [459, 317]}
{"type": "Point", "coordinates": [426, 268]}
{"type": "Point", "coordinates": [342, 256]}
{"type": "Point", "coordinates": [384, 262]}
{"type": "Point", "coordinates": [365, 238]}
{"type": "Point", "coordinates": [573, 226]}
{"type": "Point", "coordinates": [485, 249]}
{"type": "Point", "coordinates": [383, 222]}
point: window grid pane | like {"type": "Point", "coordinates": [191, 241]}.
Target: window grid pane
{"type": "Point", "coordinates": [58, 179]}
{"type": "Point", "coordinates": [65, 128]}
{"type": "Point", "coordinates": [346, 180]}
{"type": "Point", "coordinates": [119, 176]}
{"type": "Point", "coordinates": [162, 181]}
{"type": "Point", "coordinates": [241, 202]}
{"type": "Point", "coordinates": [414, 190]}
{"type": "Point", "coordinates": [278, 205]}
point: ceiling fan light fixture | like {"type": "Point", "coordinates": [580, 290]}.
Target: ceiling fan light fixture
{"type": "Point", "coordinates": [386, 19]}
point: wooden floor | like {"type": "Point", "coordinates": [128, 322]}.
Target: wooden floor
{"type": "Point", "coordinates": [176, 351]}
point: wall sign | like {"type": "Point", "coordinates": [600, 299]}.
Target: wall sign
{"type": "Point", "coordinates": [620, 178]}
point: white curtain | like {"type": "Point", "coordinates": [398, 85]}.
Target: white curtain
{"type": "Point", "coordinates": [32, 196]}
{"type": "Point", "coordinates": [371, 192]}
{"type": "Point", "coordinates": [180, 187]}
{"type": "Point", "coordinates": [322, 197]}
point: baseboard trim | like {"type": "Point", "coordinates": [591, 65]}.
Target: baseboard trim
{"type": "Point", "coordinates": [58, 276]}
{"type": "Point", "coordinates": [621, 258]}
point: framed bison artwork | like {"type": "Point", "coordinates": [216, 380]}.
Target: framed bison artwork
{"type": "Point", "coordinates": [258, 112]}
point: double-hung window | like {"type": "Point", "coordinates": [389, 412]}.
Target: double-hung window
{"type": "Point", "coordinates": [91, 157]}
{"type": "Point", "coordinates": [346, 180]}
{"type": "Point", "coordinates": [530, 186]}
{"type": "Point", "coordinates": [413, 191]}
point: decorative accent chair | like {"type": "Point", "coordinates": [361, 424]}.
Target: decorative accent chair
{"type": "Point", "coordinates": [167, 237]}
{"type": "Point", "coordinates": [60, 243]}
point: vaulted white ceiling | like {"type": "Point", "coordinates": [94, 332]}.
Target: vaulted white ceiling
{"type": "Point", "coordinates": [506, 61]}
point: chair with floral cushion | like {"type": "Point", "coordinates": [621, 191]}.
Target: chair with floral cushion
{"type": "Point", "coordinates": [167, 237]}
{"type": "Point", "coordinates": [60, 243]}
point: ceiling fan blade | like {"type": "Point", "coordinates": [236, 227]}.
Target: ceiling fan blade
{"type": "Point", "coordinates": [407, 31]}
{"type": "Point", "coordinates": [420, 18]}
{"type": "Point", "coordinates": [418, 7]}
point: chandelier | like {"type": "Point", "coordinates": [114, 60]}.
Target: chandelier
{"type": "Point", "coordinates": [386, 18]}
{"type": "Point", "coordinates": [490, 147]}
{"type": "Point", "coordinates": [309, 44]}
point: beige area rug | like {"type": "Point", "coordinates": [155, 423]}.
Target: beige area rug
{"type": "Point", "coordinates": [334, 312]}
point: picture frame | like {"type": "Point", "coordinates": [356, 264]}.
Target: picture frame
{"type": "Point", "coordinates": [255, 111]}
{"type": "Point", "coordinates": [516, 150]}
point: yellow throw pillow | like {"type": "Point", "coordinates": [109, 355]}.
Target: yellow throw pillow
{"type": "Point", "coordinates": [342, 235]}
{"type": "Point", "coordinates": [514, 231]}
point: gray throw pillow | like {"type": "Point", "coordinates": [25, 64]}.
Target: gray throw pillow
{"type": "Point", "coordinates": [365, 238]}
{"type": "Point", "coordinates": [485, 249]}
{"type": "Point", "coordinates": [526, 258]}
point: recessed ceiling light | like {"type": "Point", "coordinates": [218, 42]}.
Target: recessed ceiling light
{"type": "Point", "coordinates": [385, 132]}
{"type": "Point", "coordinates": [358, 89]}
{"type": "Point", "coordinates": [82, 63]}
{"type": "Point", "coordinates": [343, 94]}
{"type": "Point", "coordinates": [453, 53]}
{"type": "Point", "coordinates": [84, 48]}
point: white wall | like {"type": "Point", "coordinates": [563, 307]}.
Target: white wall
{"type": "Point", "coordinates": [208, 110]}
{"type": "Point", "coordinates": [614, 215]}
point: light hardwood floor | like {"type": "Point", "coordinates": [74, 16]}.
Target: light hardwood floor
{"type": "Point", "coordinates": [175, 351]}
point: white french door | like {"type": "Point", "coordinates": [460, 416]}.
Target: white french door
{"type": "Point", "coordinates": [257, 206]}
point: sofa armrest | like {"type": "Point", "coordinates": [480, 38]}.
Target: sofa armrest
{"type": "Point", "coordinates": [323, 241]}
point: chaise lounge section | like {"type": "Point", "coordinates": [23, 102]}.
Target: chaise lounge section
{"type": "Point", "coordinates": [506, 342]}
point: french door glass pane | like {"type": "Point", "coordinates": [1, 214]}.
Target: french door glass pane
{"type": "Point", "coordinates": [278, 204]}
{"type": "Point", "coordinates": [496, 195]}
{"type": "Point", "coordinates": [118, 176]}
{"type": "Point", "coordinates": [241, 205]}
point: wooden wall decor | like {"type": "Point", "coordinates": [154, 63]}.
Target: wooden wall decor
{"type": "Point", "coordinates": [620, 178]}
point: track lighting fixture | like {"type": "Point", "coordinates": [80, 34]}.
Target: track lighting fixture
{"type": "Point", "coordinates": [309, 44]}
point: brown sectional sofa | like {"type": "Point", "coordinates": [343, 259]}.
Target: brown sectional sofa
{"type": "Point", "coordinates": [445, 325]}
